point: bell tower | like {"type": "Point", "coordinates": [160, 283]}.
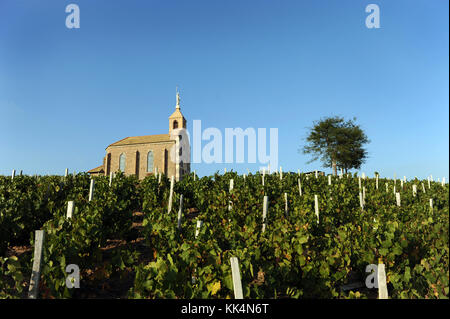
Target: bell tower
{"type": "Point", "coordinates": [177, 120]}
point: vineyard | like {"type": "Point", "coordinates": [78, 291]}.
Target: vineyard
{"type": "Point", "coordinates": [318, 235]}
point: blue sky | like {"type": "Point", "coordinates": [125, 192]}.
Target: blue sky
{"type": "Point", "coordinates": [66, 94]}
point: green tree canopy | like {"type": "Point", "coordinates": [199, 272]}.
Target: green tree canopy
{"type": "Point", "coordinates": [337, 143]}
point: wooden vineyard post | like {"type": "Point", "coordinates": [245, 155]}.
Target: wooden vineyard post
{"type": "Point", "coordinates": [91, 190]}
{"type": "Point", "coordinates": [197, 229]}
{"type": "Point", "coordinates": [285, 204]}
{"type": "Point", "coordinates": [381, 277]}
{"type": "Point", "coordinates": [110, 178]}
{"type": "Point", "coordinates": [13, 174]}
{"type": "Point", "coordinates": [316, 207]}
{"type": "Point", "coordinates": [36, 270]}
{"type": "Point", "coordinates": [397, 197]}
{"type": "Point", "coordinates": [70, 207]}
{"type": "Point", "coordinates": [180, 212]}
{"type": "Point", "coordinates": [299, 187]}
{"type": "Point", "coordinates": [169, 204]}
{"type": "Point", "coordinates": [265, 204]}
{"type": "Point", "coordinates": [236, 275]}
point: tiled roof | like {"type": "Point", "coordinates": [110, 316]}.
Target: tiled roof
{"type": "Point", "coordinates": [96, 170]}
{"type": "Point", "coordinates": [143, 140]}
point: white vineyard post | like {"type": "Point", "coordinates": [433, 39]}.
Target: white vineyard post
{"type": "Point", "coordinates": [13, 174]}
{"type": "Point", "coordinates": [364, 195]}
{"type": "Point", "coordinates": [423, 188]}
{"type": "Point", "coordinates": [169, 205]}
{"type": "Point", "coordinates": [316, 207]}
{"type": "Point", "coordinates": [237, 284]}
{"type": "Point", "coordinates": [363, 175]}
{"type": "Point", "coordinates": [361, 202]}
{"type": "Point", "coordinates": [414, 190]}
{"type": "Point", "coordinates": [315, 173]}
{"type": "Point", "coordinates": [264, 174]}
{"type": "Point", "coordinates": [91, 190]}
{"type": "Point", "coordinates": [387, 187]}
{"type": "Point", "coordinates": [265, 204]}
{"type": "Point", "coordinates": [194, 175]}
{"type": "Point", "coordinates": [443, 181]}
{"type": "Point", "coordinates": [70, 207]}
{"type": "Point", "coordinates": [285, 204]}
{"type": "Point", "coordinates": [231, 188]}
{"type": "Point", "coordinates": [376, 181]}
{"type": "Point", "coordinates": [394, 190]}
{"type": "Point", "coordinates": [431, 204]}
{"type": "Point", "coordinates": [197, 229]}
{"type": "Point", "coordinates": [281, 173]}
{"type": "Point", "coordinates": [110, 178]}
{"type": "Point", "coordinates": [244, 178]}
{"type": "Point", "coordinates": [359, 182]}
{"type": "Point", "coordinates": [401, 184]}
{"type": "Point", "coordinates": [381, 277]}
{"type": "Point", "coordinates": [180, 211]}
{"type": "Point", "coordinates": [66, 173]}
{"type": "Point", "coordinates": [397, 197]}
{"type": "Point", "coordinates": [159, 178]}
{"type": "Point", "coordinates": [429, 184]}
{"type": "Point", "coordinates": [329, 180]}
{"type": "Point", "coordinates": [33, 291]}
{"type": "Point", "coordinates": [299, 187]}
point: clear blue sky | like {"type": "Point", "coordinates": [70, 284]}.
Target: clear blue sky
{"type": "Point", "coordinates": [66, 94]}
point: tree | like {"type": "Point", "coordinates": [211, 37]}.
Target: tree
{"type": "Point", "coordinates": [338, 143]}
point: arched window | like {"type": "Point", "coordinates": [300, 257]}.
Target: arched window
{"type": "Point", "coordinates": [175, 124]}
{"type": "Point", "coordinates": [122, 159]}
{"type": "Point", "coordinates": [150, 161]}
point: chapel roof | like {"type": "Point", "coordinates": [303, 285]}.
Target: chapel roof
{"type": "Point", "coordinates": [159, 138]}
{"type": "Point", "coordinates": [97, 170]}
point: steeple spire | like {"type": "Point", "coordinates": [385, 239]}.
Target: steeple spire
{"type": "Point", "coordinates": [178, 99]}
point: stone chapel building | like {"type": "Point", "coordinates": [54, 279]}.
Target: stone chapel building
{"type": "Point", "coordinates": [149, 154]}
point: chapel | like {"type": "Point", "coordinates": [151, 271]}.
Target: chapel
{"type": "Point", "coordinates": [149, 154]}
